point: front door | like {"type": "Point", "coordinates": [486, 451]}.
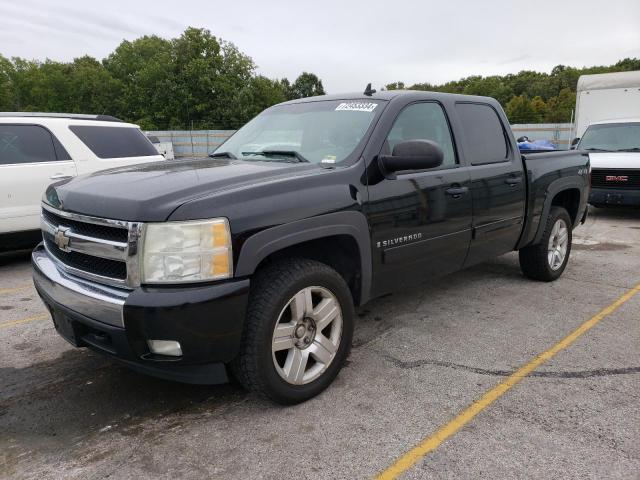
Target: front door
{"type": "Point", "coordinates": [420, 221]}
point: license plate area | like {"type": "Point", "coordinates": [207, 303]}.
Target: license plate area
{"type": "Point", "coordinates": [65, 327]}
{"type": "Point", "coordinates": [614, 198]}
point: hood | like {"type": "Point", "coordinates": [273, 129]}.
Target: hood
{"type": "Point", "coordinates": [615, 159]}
{"type": "Point", "coordinates": [150, 192]}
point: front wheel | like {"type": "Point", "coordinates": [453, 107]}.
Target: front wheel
{"type": "Point", "coordinates": [297, 333]}
{"type": "Point", "coordinates": [547, 260]}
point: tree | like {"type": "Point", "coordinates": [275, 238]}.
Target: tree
{"type": "Point", "coordinates": [195, 79]}
{"type": "Point", "coordinates": [203, 81]}
{"type": "Point", "coordinates": [552, 94]}
{"type": "Point", "coordinates": [488, 87]}
{"type": "Point", "coordinates": [426, 87]}
{"type": "Point", "coordinates": [395, 86]}
{"type": "Point", "coordinates": [627, 64]}
{"type": "Point", "coordinates": [7, 90]}
{"type": "Point", "coordinates": [92, 88]}
{"type": "Point", "coordinates": [209, 74]}
{"type": "Point", "coordinates": [519, 110]}
{"type": "Point", "coordinates": [260, 93]}
{"type": "Point", "coordinates": [41, 85]}
{"type": "Point", "coordinates": [306, 85]}
{"type": "Point", "coordinates": [561, 106]}
{"type": "Point", "coordinates": [540, 109]}
{"type": "Point", "coordinates": [145, 70]}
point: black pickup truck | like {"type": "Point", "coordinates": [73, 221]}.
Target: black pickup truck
{"type": "Point", "coordinates": [252, 261]}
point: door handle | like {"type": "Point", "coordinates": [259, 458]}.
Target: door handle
{"type": "Point", "coordinates": [513, 181]}
{"type": "Point", "coordinates": [60, 176]}
{"type": "Point", "coordinates": [455, 192]}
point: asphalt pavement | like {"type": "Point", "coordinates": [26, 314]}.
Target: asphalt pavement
{"type": "Point", "coordinates": [420, 358]}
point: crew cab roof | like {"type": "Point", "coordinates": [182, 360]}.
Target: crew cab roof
{"type": "Point", "coordinates": [388, 95]}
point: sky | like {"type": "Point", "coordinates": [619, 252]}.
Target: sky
{"type": "Point", "coordinates": [346, 43]}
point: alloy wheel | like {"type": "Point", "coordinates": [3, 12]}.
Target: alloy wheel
{"type": "Point", "coordinates": [307, 335]}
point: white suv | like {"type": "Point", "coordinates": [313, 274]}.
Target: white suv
{"type": "Point", "coordinates": [37, 149]}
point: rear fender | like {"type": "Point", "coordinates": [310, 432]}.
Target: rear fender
{"type": "Point", "coordinates": [554, 189]}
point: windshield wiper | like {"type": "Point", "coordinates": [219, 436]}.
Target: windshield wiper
{"type": "Point", "coordinates": [634, 149]}
{"type": "Point", "coordinates": [279, 153]}
{"type": "Point", "coordinates": [592, 149]}
{"type": "Point", "coordinates": [223, 155]}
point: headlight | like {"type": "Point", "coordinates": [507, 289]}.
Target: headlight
{"type": "Point", "coordinates": [192, 251]}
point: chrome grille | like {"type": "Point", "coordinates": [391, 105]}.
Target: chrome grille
{"type": "Point", "coordinates": [98, 249]}
{"type": "Point", "coordinates": [88, 229]}
{"type": "Point", "coordinates": [615, 178]}
{"type": "Point", "coordinates": [80, 261]}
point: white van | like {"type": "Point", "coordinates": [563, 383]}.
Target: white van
{"type": "Point", "coordinates": [608, 127]}
{"type": "Point", "coordinates": [37, 149]}
{"type": "Point", "coordinates": [614, 153]}
{"type": "Point", "coordinates": [606, 96]}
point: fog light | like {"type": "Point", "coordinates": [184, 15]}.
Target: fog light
{"type": "Point", "coordinates": [165, 347]}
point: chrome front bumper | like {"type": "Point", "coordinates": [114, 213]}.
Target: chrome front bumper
{"type": "Point", "coordinates": [99, 302]}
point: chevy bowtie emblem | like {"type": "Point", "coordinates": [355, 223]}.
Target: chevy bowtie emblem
{"type": "Point", "coordinates": [61, 238]}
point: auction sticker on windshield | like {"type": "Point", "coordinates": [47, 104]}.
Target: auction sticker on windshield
{"type": "Point", "coordinates": [357, 106]}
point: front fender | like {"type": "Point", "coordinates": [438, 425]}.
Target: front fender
{"type": "Point", "coordinates": [259, 246]}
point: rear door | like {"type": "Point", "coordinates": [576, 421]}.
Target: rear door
{"type": "Point", "coordinates": [498, 185]}
{"type": "Point", "coordinates": [114, 146]}
{"type": "Point", "coordinates": [420, 221]}
{"type": "Point", "coordinates": [31, 158]}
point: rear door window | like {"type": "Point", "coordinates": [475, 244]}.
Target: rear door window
{"type": "Point", "coordinates": [484, 136]}
{"type": "Point", "coordinates": [114, 142]}
{"type": "Point", "coordinates": [28, 144]}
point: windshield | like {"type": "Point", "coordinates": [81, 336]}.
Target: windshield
{"type": "Point", "coordinates": [612, 137]}
{"type": "Point", "coordinates": [322, 131]}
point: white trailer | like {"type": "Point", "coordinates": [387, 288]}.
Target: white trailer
{"type": "Point", "coordinates": [606, 96]}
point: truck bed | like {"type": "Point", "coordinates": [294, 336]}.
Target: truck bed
{"type": "Point", "coordinates": [548, 172]}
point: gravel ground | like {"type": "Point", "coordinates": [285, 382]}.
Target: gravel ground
{"type": "Point", "coordinates": [419, 358]}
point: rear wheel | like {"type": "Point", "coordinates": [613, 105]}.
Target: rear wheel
{"type": "Point", "coordinates": [297, 333]}
{"type": "Point", "coordinates": [547, 260]}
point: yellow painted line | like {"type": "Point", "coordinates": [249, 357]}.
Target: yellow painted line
{"type": "Point", "coordinates": [15, 289]}
{"type": "Point", "coordinates": [409, 459]}
{"type": "Point", "coordinates": [35, 318]}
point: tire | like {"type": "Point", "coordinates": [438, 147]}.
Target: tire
{"type": "Point", "coordinates": [537, 261]}
{"type": "Point", "coordinates": [280, 297]}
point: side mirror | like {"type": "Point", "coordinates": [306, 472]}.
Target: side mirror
{"type": "Point", "coordinates": [574, 143]}
{"type": "Point", "coordinates": [412, 155]}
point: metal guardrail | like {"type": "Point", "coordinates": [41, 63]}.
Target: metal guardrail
{"type": "Point", "coordinates": [558, 133]}
{"type": "Point", "coordinates": [192, 143]}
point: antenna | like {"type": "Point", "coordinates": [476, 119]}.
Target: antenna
{"type": "Point", "coordinates": [369, 91]}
